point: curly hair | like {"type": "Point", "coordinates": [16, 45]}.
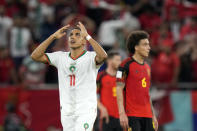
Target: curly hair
{"type": "Point", "coordinates": [134, 39]}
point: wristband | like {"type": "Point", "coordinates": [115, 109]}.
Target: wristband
{"type": "Point", "coordinates": [88, 37]}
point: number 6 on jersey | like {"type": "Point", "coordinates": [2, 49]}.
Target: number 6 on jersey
{"type": "Point", "coordinates": [144, 82]}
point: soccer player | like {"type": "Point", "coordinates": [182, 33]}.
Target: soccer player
{"type": "Point", "coordinates": [133, 77]}
{"type": "Point", "coordinates": [106, 84]}
{"type": "Point", "coordinates": [77, 72]}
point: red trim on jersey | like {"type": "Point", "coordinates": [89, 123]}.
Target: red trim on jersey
{"type": "Point", "coordinates": [48, 60]}
{"type": "Point", "coordinates": [82, 53]}
{"type": "Point", "coordinates": [73, 80]}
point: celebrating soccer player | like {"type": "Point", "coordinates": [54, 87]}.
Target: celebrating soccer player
{"type": "Point", "coordinates": [133, 76]}
{"type": "Point", "coordinates": [107, 104]}
{"type": "Point", "coordinates": [77, 72]}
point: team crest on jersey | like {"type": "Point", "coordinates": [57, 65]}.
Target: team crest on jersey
{"type": "Point", "coordinates": [86, 126]}
{"type": "Point", "coordinates": [72, 67]}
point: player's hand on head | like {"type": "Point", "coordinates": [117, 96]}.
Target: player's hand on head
{"type": "Point", "coordinates": [104, 114]}
{"type": "Point", "coordinates": [61, 32]}
{"type": "Point", "coordinates": [84, 32]}
{"type": "Point", "coordinates": [124, 122]}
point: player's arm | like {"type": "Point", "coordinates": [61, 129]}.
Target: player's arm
{"type": "Point", "coordinates": [103, 110]}
{"type": "Point", "coordinates": [39, 53]}
{"type": "Point", "coordinates": [120, 100]}
{"type": "Point", "coordinates": [101, 55]}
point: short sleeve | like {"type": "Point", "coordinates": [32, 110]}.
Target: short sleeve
{"type": "Point", "coordinates": [53, 58]}
{"type": "Point", "coordinates": [123, 71]}
{"type": "Point", "coordinates": [93, 55]}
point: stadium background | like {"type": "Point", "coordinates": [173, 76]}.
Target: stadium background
{"type": "Point", "coordinates": [28, 90]}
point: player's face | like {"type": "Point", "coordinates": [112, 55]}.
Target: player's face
{"type": "Point", "coordinates": [143, 48]}
{"type": "Point", "coordinates": [75, 40]}
{"type": "Point", "coordinates": [116, 61]}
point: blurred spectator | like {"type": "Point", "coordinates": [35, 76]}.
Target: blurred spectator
{"type": "Point", "coordinates": [175, 23]}
{"type": "Point", "coordinates": [63, 8]}
{"type": "Point", "coordinates": [47, 27]}
{"type": "Point", "coordinates": [5, 24]}
{"type": "Point", "coordinates": [7, 70]}
{"type": "Point", "coordinates": [108, 29]}
{"type": "Point", "coordinates": [11, 8]}
{"type": "Point", "coordinates": [187, 52]}
{"type": "Point", "coordinates": [12, 121]}
{"type": "Point", "coordinates": [31, 72]}
{"type": "Point", "coordinates": [165, 66]}
{"type": "Point", "coordinates": [20, 38]}
{"type": "Point", "coordinates": [189, 28]}
{"type": "Point", "coordinates": [149, 19]}
{"type": "Point", "coordinates": [194, 62]}
{"type": "Point", "coordinates": [184, 52]}
{"type": "Point", "coordinates": [161, 39]}
{"type": "Point", "coordinates": [101, 10]}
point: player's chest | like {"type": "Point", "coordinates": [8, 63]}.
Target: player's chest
{"type": "Point", "coordinates": [139, 72]}
{"type": "Point", "coordinates": [70, 66]}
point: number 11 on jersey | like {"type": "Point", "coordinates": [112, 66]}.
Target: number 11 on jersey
{"type": "Point", "coordinates": [72, 80]}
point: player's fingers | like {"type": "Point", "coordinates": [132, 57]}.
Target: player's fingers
{"type": "Point", "coordinates": [82, 26]}
{"type": "Point", "coordinates": [121, 123]}
{"type": "Point", "coordinates": [79, 26]}
{"type": "Point", "coordinates": [107, 119]}
{"type": "Point", "coordinates": [80, 23]}
{"type": "Point", "coordinates": [66, 26]}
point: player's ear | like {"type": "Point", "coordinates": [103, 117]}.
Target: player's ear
{"type": "Point", "coordinates": [136, 47]}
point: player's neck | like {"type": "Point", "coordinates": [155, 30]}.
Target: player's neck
{"type": "Point", "coordinates": [111, 71]}
{"type": "Point", "coordinates": [138, 58]}
{"type": "Point", "coordinates": [76, 52]}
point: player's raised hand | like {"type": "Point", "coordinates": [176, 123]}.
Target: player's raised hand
{"type": "Point", "coordinates": [61, 32]}
{"type": "Point", "coordinates": [84, 32]}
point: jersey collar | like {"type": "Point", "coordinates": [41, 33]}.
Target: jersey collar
{"type": "Point", "coordinates": [77, 56]}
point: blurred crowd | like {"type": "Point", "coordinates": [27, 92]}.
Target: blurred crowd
{"type": "Point", "coordinates": [172, 25]}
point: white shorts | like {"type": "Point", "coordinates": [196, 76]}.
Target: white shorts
{"type": "Point", "coordinates": [82, 122]}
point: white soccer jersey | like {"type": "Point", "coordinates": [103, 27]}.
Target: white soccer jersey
{"type": "Point", "coordinates": [77, 81]}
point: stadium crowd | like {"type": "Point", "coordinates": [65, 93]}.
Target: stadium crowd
{"type": "Point", "coordinates": [172, 25]}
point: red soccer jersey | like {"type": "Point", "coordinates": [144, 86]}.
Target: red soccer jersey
{"type": "Point", "coordinates": [137, 83]}
{"type": "Point", "coordinates": [107, 91]}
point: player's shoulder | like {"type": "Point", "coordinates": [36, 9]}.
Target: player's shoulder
{"type": "Point", "coordinates": [126, 61]}
{"type": "Point", "coordinates": [91, 52]}
{"type": "Point", "coordinates": [102, 73]}
{"type": "Point", "coordinates": [146, 65]}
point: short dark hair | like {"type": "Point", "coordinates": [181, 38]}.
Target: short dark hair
{"type": "Point", "coordinates": [111, 54]}
{"type": "Point", "coordinates": [134, 39]}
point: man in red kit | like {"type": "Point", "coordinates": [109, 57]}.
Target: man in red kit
{"type": "Point", "coordinates": [106, 84]}
{"type": "Point", "coordinates": [133, 76]}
